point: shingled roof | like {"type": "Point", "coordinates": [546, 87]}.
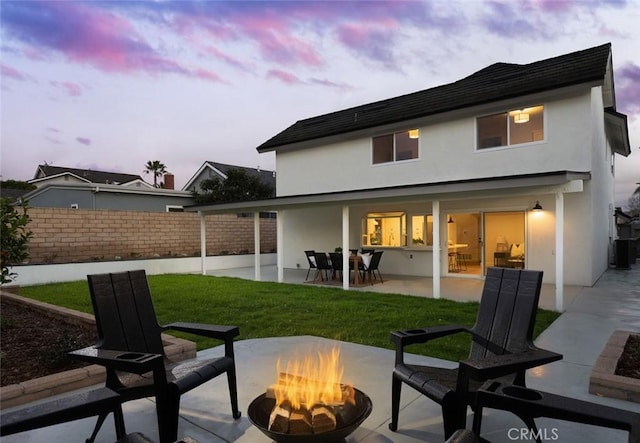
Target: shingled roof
{"type": "Point", "coordinates": [89, 175]}
{"type": "Point", "coordinates": [496, 82]}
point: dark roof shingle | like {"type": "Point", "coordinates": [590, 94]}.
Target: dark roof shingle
{"type": "Point", "coordinates": [496, 82]}
{"type": "Point", "coordinates": [87, 174]}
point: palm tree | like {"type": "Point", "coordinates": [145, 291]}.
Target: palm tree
{"type": "Point", "coordinates": [157, 168]}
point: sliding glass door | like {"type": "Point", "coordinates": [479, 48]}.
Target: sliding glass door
{"type": "Point", "coordinates": [504, 239]}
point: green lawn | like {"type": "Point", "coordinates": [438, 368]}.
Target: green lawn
{"type": "Point", "coordinates": [265, 309]}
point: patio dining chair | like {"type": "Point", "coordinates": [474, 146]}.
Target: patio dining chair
{"type": "Point", "coordinates": [129, 331]}
{"type": "Point", "coordinates": [374, 267]}
{"type": "Point", "coordinates": [336, 263]}
{"type": "Point", "coordinates": [322, 266]}
{"type": "Point", "coordinates": [311, 259]}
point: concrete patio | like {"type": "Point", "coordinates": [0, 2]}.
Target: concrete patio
{"type": "Point", "coordinates": [580, 334]}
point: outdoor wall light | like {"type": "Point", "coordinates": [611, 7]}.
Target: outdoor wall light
{"type": "Point", "coordinates": [537, 207]}
{"type": "Point", "coordinates": [414, 133]}
{"type": "Point", "coordinates": [450, 220]}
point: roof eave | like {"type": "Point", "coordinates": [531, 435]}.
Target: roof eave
{"type": "Point", "coordinates": [433, 191]}
{"type": "Point", "coordinates": [617, 131]}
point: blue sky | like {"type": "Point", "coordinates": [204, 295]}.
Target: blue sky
{"type": "Point", "coordinates": [109, 85]}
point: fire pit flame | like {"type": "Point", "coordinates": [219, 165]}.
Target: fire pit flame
{"type": "Point", "coordinates": [310, 381]}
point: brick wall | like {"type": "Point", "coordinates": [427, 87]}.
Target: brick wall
{"type": "Point", "coordinates": [63, 235]}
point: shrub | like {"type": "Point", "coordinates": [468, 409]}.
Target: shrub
{"type": "Point", "coordinates": [14, 237]}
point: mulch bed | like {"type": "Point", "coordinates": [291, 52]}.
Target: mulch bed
{"type": "Point", "coordinates": [629, 363]}
{"type": "Point", "coordinates": [34, 345]}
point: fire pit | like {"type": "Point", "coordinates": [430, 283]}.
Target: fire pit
{"type": "Point", "coordinates": [260, 411]}
{"type": "Point", "coordinates": [309, 403]}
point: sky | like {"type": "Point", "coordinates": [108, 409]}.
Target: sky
{"type": "Point", "coordinates": [110, 85]}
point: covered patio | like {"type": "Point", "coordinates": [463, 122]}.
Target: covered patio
{"type": "Point", "coordinates": [438, 199]}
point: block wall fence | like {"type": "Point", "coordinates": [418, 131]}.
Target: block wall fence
{"type": "Point", "coordinates": [64, 235]}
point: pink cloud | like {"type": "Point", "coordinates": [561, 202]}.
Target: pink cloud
{"type": "Point", "coordinates": [83, 140]}
{"type": "Point", "coordinates": [374, 40]}
{"type": "Point", "coordinates": [229, 60]}
{"type": "Point", "coordinates": [88, 34]}
{"type": "Point", "coordinates": [8, 71]}
{"type": "Point", "coordinates": [325, 82]}
{"type": "Point", "coordinates": [207, 75]}
{"type": "Point", "coordinates": [283, 76]}
{"type": "Point", "coordinates": [73, 89]}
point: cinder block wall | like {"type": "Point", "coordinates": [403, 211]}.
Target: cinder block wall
{"type": "Point", "coordinates": [64, 235]}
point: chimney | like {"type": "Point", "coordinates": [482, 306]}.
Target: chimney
{"type": "Point", "coordinates": [169, 181]}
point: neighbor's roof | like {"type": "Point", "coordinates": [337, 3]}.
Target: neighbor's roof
{"type": "Point", "coordinates": [88, 175]}
{"type": "Point", "coordinates": [266, 177]}
{"type": "Point", "coordinates": [496, 82]}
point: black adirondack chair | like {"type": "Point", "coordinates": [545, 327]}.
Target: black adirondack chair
{"type": "Point", "coordinates": [502, 347]}
{"type": "Point", "coordinates": [128, 330]}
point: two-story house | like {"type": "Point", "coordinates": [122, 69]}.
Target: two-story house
{"type": "Point", "coordinates": [214, 170]}
{"type": "Point", "coordinates": [512, 165]}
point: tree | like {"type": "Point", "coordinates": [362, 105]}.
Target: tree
{"type": "Point", "coordinates": [157, 168]}
{"type": "Point", "coordinates": [17, 184]}
{"type": "Point", "coordinates": [238, 186]}
{"type": "Point", "coordinates": [14, 237]}
{"type": "Point", "coordinates": [634, 203]}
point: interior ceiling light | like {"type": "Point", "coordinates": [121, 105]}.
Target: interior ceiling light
{"type": "Point", "coordinates": [414, 133]}
{"type": "Point", "coordinates": [521, 117]}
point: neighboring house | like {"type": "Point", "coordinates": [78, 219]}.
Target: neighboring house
{"type": "Point", "coordinates": [210, 170]}
{"type": "Point", "coordinates": [513, 165]}
{"type": "Point", "coordinates": [46, 174]}
{"type": "Point", "coordinates": [60, 187]}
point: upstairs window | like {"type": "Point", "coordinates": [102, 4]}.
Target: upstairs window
{"type": "Point", "coordinates": [510, 128]}
{"type": "Point", "coordinates": [396, 147]}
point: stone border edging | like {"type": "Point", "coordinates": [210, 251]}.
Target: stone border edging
{"type": "Point", "coordinates": [176, 349]}
{"type": "Point", "coordinates": [604, 381]}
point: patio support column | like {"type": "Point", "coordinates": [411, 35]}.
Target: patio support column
{"type": "Point", "coordinates": [559, 251]}
{"type": "Point", "coordinates": [436, 248]}
{"type": "Point", "coordinates": [203, 242]}
{"type": "Point", "coordinates": [280, 245]}
{"type": "Point", "coordinates": [256, 244]}
{"type": "Point", "coordinates": [345, 247]}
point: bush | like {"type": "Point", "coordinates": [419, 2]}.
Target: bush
{"type": "Point", "coordinates": [14, 237]}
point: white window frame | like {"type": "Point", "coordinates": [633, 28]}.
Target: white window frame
{"type": "Point", "coordinates": [395, 159]}
{"type": "Point", "coordinates": [509, 145]}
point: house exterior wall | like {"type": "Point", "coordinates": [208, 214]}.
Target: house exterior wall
{"type": "Point", "coordinates": [87, 199]}
{"type": "Point", "coordinates": [447, 152]}
{"type": "Point", "coordinates": [602, 187]}
{"type": "Point", "coordinates": [64, 235]}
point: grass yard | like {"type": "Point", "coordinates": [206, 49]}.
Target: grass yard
{"type": "Point", "coordinates": [266, 309]}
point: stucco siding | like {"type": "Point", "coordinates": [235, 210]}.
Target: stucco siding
{"type": "Point", "coordinates": [446, 152]}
